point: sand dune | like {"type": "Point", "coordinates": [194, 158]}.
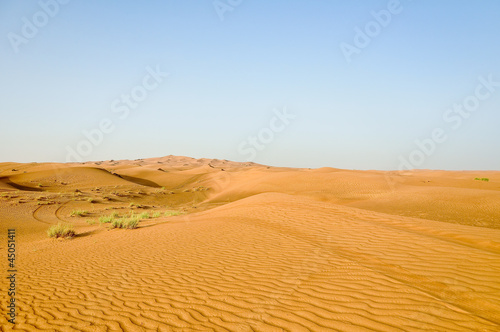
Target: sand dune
{"type": "Point", "coordinates": [246, 247]}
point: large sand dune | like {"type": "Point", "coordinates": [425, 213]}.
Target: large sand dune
{"type": "Point", "coordinates": [246, 247]}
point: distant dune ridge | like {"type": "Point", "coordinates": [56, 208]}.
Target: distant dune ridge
{"type": "Point", "coordinates": [229, 246]}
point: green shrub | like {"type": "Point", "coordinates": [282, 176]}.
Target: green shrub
{"type": "Point", "coordinates": [116, 223]}
{"type": "Point", "coordinates": [106, 219]}
{"type": "Point", "coordinates": [126, 223]}
{"type": "Point", "coordinates": [156, 214]}
{"type": "Point", "coordinates": [79, 213]}
{"type": "Point", "coordinates": [61, 230]}
{"type": "Point", "coordinates": [144, 215]}
{"type": "Point", "coordinates": [482, 179]}
{"type": "Point", "coordinates": [139, 206]}
{"type": "Point", "coordinates": [132, 223]}
{"type": "Point", "coordinates": [172, 213]}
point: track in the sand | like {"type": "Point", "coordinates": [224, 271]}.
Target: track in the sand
{"type": "Point", "coordinates": [49, 210]}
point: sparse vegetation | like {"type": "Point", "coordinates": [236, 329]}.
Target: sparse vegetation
{"type": "Point", "coordinates": [139, 206]}
{"type": "Point", "coordinates": [106, 219]}
{"type": "Point", "coordinates": [482, 179]}
{"type": "Point", "coordinates": [92, 200]}
{"type": "Point", "coordinates": [39, 185]}
{"type": "Point", "coordinates": [61, 230]}
{"type": "Point", "coordinates": [127, 223]}
{"type": "Point", "coordinates": [46, 203]}
{"type": "Point", "coordinates": [172, 213]}
{"type": "Point", "coordinates": [156, 215]}
{"type": "Point", "coordinates": [79, 213]}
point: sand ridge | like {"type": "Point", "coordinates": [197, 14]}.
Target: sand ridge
{"type": "Point", "coordinates": [254, 248]}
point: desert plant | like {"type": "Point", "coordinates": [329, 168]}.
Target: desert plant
{"type": "Point", "coordinates": [139, 206]}
{"type": "Point", "coordinates": [482, 179]}
{"type": "Point", "coordinates": [144, 215]}
{"type": "Point", "coordinates": [79, 213]}
{"type": "Point", "coordinates": [46, 203]}
{"type": "Point", "coordinates": [106, 219]}
{"type": "Point", "coordinates": [61, 230]}
{"type": "Point", "coordinates": [116, 223]}
{"type": "Point", "coordinates": [132, 223]}
{"type": "Point", "coordinates": [172, 213]}
{"type": "Point", "coordinates": [92, 200]}
{"type": "Point", "coordinates": [156, 214]}
{"type": "Point", "coordinates": [128, 223]}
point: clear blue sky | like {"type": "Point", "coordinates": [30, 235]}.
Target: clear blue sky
{"type": "Point", "coordinates": [228, 77]}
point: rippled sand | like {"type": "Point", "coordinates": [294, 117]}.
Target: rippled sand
{"type": "Point", "coordinates": [254, 248]}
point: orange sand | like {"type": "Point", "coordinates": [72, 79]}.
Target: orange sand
{"type": "Point", "coordinates": [255, 248]}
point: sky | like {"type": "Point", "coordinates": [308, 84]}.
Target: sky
{"type": "Point", "coordinates": [348, 84]}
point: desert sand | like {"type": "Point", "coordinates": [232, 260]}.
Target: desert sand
{"type": "Point", "coordinates": [233, 246]}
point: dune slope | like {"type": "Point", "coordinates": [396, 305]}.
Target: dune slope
{"type": "Point", "coordinates": [252, 249]}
